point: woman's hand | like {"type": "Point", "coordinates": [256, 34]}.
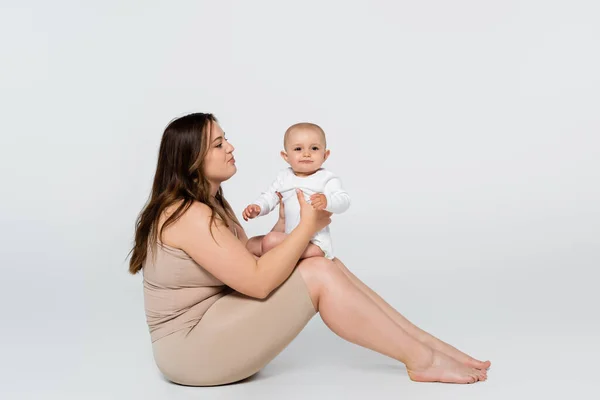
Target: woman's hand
{"type": "Point", "coordinates": [318, 219]}
{"type": "Point", "coordinates": [281, 209]}
{"type": "Point", "coordinates": [280, 224]}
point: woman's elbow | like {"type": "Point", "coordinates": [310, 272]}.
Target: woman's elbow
{"type": "Point", "coordinates": [263, 292]}
{"type": "Point", "coordinates": [262, 295]}
{"type": "Point", "coordinates": [258, 291]}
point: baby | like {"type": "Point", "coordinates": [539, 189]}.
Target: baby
{"type": "Point", "coordinates": [305, 152]}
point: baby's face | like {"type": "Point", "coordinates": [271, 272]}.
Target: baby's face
{"type": "Point", "coordinates": [305, 151]}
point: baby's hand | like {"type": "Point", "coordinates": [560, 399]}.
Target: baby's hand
{"type": "Point", "coordinates": [251, 212]}
{"type": "Point", "coordinates": [318, 201]}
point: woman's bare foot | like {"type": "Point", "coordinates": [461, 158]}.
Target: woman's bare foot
{"type": "Point", "coordinates": [453, 352]}
{"type": "Point", "coordinates": [443, 368]}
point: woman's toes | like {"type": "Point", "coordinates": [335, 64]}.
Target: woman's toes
{"type": "Point", "coordinates": [482, 375]}
{"type": "Point", "coordinates": [483, 365]}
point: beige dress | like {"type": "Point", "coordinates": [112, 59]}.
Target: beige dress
{"type": "Point", "coordinates": [203, 332]}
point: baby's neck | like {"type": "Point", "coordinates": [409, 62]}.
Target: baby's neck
{"type": "Point", "coordinates": [305, 174]}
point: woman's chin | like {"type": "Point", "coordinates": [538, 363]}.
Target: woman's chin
{"type": "Point", "coordinates": [234, 170]}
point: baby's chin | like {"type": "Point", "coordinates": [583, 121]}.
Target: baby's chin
{"type": "Point", "coordinates": [309, 169]}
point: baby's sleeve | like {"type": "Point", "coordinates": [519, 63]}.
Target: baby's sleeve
{"type": "Point", "coordinates": [268, 200]}
{"type": "Point", "coordinates": [338, 200]}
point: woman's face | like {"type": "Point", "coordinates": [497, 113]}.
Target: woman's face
{"type": "Point", "coordinates": [219, 164]}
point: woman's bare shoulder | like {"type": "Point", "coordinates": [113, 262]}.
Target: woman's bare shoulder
{"type": "Point", "coordinates": [193, 212]}
{"type": "Point", "coordinates": [193, 220]}
{"type": "Point", "coordinates": [197, 209]}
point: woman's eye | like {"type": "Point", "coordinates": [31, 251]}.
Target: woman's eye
{"type": "Point", "coordinates": [220, 145]}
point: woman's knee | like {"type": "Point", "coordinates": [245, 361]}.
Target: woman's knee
{"type": "Point", "coordinates": [340, 265]}
{"type": "Point", "coordinates": [312, 272]}
{"type": "Point", "coordinates": [317, 273]}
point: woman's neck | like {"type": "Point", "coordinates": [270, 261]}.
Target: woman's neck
{"type": "Point", "coordinates": [214, 188]}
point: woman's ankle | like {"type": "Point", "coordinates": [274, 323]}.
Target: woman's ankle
{"type": "Point", "coordinates": [420, 359]}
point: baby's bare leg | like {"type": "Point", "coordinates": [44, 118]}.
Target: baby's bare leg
{"type": "Point", "coordinates": [273, 239]}
{"type": "Point", "coordinates": [254, 245]}
{"type": "Point", "coordinates": [412, 329]}
{"type": "Point", "coordinates": [312, 250]}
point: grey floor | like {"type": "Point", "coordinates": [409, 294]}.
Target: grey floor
{"type": "Point", "coordinates": [539, 330]}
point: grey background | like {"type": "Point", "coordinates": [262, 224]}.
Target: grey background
{"type": "Point", "coordinates": [466, 132]}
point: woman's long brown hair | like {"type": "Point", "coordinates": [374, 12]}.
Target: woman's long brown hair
{"type": "Point", "coordinates": [179, 178]}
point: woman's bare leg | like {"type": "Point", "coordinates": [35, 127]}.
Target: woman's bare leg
{"type": "Point", "coordinates": [409, 327]}
{"type": "Point", "coordinates": [274, 238]}
{"type": "Point", "coordinates": [352, 315]}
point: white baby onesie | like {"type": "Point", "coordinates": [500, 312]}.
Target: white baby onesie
{"type": "Point", "coordinates": [322, 181]}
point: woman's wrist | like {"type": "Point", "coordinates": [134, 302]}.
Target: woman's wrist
{"type": "Point", "coordinates": [307, 227]}
{"type": "Point", "coordinates": [279, 226]}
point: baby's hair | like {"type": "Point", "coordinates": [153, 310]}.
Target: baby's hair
{"type": "Point", "coordinates": [304, 125]}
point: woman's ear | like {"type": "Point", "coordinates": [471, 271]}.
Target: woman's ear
{"type": "Point", "coordinates": [284, 156]}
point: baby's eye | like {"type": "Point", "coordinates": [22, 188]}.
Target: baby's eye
{"type": "Point", "coordinates": [315, 148]}
{"type": "Point", "coordinates": [297, 149]}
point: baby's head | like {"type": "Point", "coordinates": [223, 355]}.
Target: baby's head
{"type": "Point", "coordinates": [305, 148]}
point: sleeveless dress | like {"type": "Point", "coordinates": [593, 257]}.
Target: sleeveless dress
{"type": "Point", "coordinates": [204, 333]}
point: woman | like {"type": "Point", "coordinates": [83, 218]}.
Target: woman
{"type": "Point", "coordinates": [217, 313]}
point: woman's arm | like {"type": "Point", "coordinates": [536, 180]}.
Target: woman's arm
{"type": "Point", "coordinates": [280, 224]}
{"type": "Point", "coordinates": [227, 258]}
{"type": "Point", "coordinates": [249, 243]}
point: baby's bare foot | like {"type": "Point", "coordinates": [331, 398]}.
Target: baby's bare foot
{"type": "Point", "coordinates": [442, 368]}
